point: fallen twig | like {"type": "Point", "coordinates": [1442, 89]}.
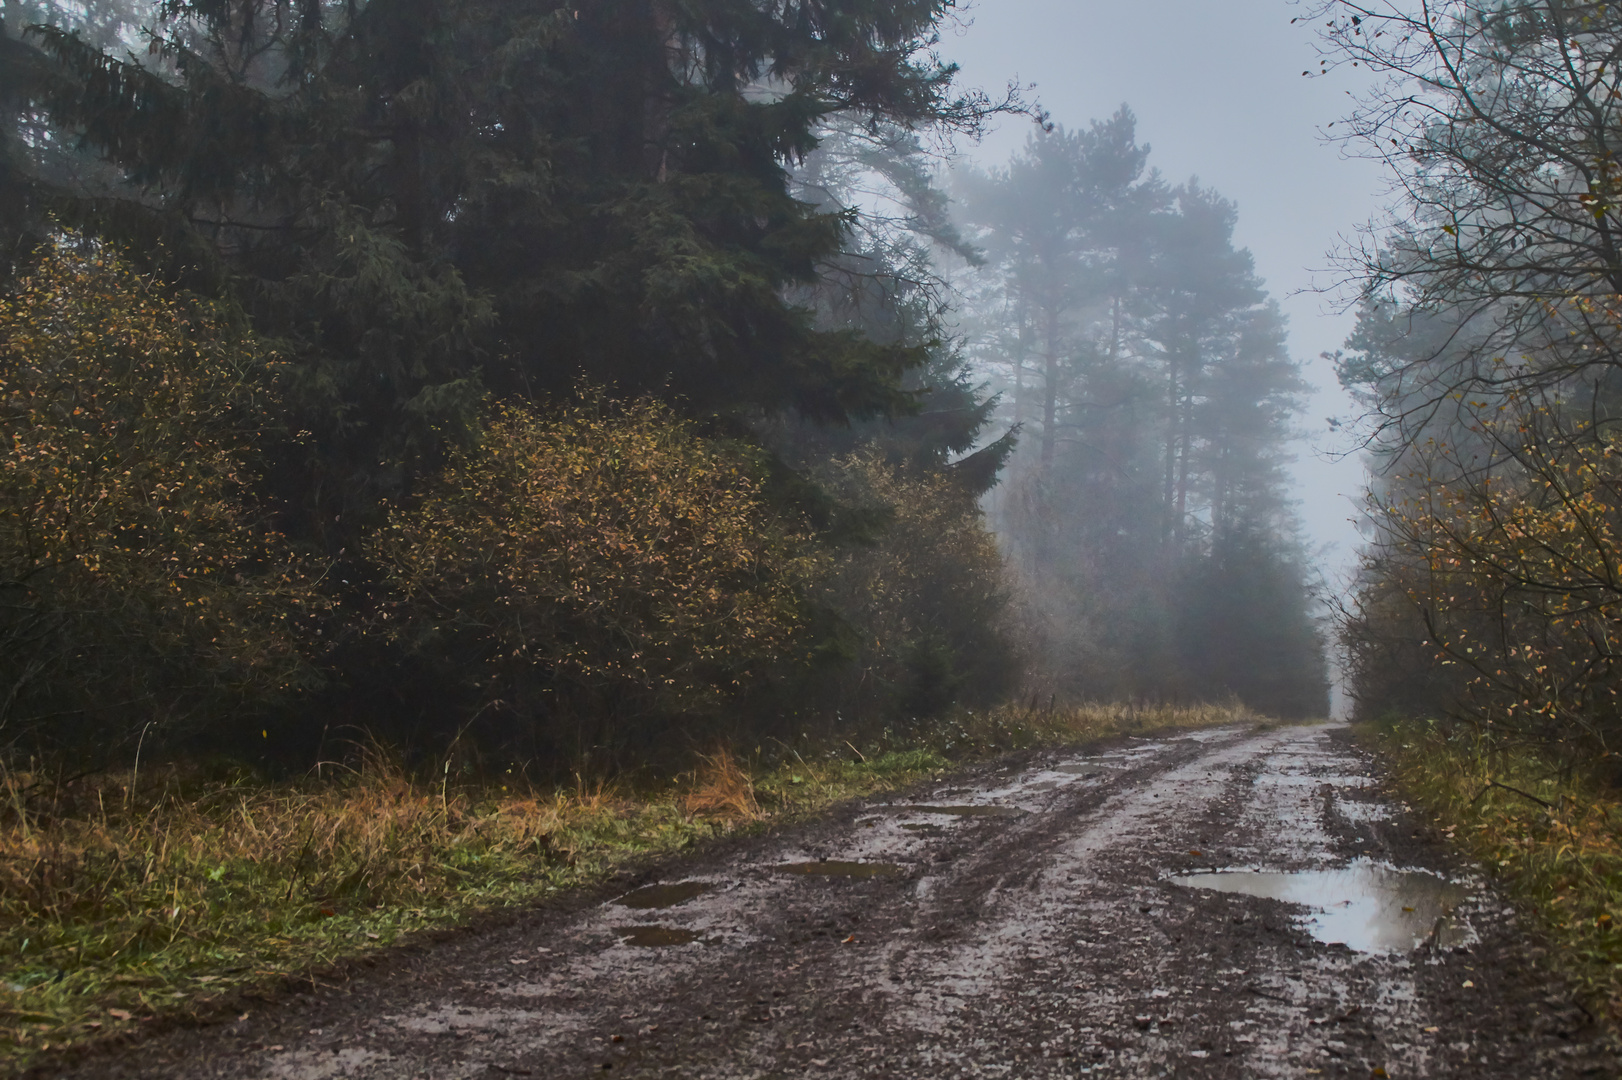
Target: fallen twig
{"type": "Point", "coordinates": [1252, 988]}
{"type": "Point", "coordinates": [1523, 794]}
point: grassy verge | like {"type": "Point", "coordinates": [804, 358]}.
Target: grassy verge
{"type": "Point", "coordinates": [1555, 843]}
{"type": "Point", "coordinates": [125, 898]}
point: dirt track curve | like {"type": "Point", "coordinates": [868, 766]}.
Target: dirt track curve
{"type": "Point", "coordinates": [1042, 937]}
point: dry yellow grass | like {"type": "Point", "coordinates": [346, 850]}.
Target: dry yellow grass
{"type": "Point", "coordinates": [721, 786]}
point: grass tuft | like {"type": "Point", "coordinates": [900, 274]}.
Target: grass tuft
{"type": "Point", "coordinates": [722, 787]}
{"type": "Point", "coordinates": [124, 897]}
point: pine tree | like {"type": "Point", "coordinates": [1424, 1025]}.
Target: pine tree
{"type": "Point", "coordinates": [1149, 520]}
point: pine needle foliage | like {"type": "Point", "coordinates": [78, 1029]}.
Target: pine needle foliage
{"type": "Point", "coordinates": [417, 201]}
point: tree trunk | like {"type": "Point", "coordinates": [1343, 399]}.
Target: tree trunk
{"type": "Point", "coordinates": [1050, 390]}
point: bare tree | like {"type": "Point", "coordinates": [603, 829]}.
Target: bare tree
{"type": "Point", "coordinates": [1499, 126]}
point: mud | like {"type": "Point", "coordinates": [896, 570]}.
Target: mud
{"type": "Point", "coordinates": [981, 810]}
{"type": "Point", "coordinates": [1068, 940]}
{"type": "Point", "coordinates": [841, 868]}
{"type": "Point", "coordinates": [655, 937]}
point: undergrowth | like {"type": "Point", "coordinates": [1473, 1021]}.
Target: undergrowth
{"type": "Point", "coordinates": [1552, 837]}
{"type": "Point", "coordinates": [127, 897]}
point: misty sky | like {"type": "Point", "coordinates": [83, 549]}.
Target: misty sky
{"type": "Point", "coordinates": [1218, 92]}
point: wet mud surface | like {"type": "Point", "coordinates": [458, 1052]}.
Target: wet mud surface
{"type": "Point", "coordinates": [1184, 906]}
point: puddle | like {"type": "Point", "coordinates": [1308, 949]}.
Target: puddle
{"type": "Point", "coordinates": [663, 896]}
{"type": "Point", "coordinates": [923, 827]}
{"type": "Point", "coordinates": [1310, 781]}
{"type": "Point", "coordinates": [965, 811]}
{"type": "Point", "coordinates": [1087, 771]}
{"type": "Point", "coordinates": [1365, 907]}
{"type": "Point", "coordinates": [833, 868]}
{"type": "Point", "coordinates": [1045, 785]}
{"type": "Point", "coordinates": [655, 937]}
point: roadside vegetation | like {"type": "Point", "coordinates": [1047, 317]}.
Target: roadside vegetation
{"type": "Point", "coordinates": [129, 897]}
{"type": "Point", "coordinates": [1480, 632]}
{"type": "Point", "coordinates": [1553, 840]}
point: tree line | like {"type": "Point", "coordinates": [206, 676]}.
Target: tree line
{"type": "Point", "coordinates": [1147, 510]}
{"type": "Point", "coordinates": [1485, 356]}
{"type": "Point", "coordinates": [544, 374]}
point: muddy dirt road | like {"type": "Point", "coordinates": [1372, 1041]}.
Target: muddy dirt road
{"type": "Point", "coordinates": [1044, 917]}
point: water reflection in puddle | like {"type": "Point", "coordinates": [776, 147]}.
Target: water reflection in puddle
{"type": "Point", "coordinates": [834, 868]}
{"type": "Point", "coordinates": [663, 896]}
{"type": "Point", "coordinates": [966, 811]}
{"type": "Point", "coordinates": [655, 937]}
{"type": "Point", "coordinates": [1365, 907]}
{"type": "Point", "coordinates": [1081, 769]}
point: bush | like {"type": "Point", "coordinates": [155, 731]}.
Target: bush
{"type": "Point", "coordinates": [597, 572]}
{"type": "Point", "coordinates": [923, 607]}
{"type": "Point", "coordinates": [1507, 572]}
{"type": "Point", "coordinates": [139, 592]}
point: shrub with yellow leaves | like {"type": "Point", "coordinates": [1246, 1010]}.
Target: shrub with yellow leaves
{"type": "Point", "coordinates": [600, 567]}
{"type": "Point", "coordinates": [139, 590]}
{"type": "Point", "coordinates": [924, 605]}
{"type": "Point", "coordinates": [1508, 551]}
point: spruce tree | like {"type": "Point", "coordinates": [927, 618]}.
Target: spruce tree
{"type": "Point", "coordinates": [419, 201]}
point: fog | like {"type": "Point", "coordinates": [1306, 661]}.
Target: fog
{"type": "Point", "coordinates": [615, 230]}
{"type": "Point", "coordinates": [1218, 93]}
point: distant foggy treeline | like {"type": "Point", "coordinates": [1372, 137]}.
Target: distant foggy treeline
{"type": "Point", "coordinates": [1147, 513]}
{"type": "Point", "coordinates": [592, 381]}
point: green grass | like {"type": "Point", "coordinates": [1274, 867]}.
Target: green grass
{"type": "Point", "coordinates": [1554, 842]}
{"type": "Point", "coordinates": [122, 901]}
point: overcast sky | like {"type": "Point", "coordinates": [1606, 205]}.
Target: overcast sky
{"type": "Point", "coordinates": [1218, 92]}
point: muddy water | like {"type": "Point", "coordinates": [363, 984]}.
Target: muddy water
{"type": "Point", "coordinates": [663, 896]}
{"type": "Point", "coordinates": [1082, 769]}
{"type": "Point", "coordinates": [655, 937]}
{"type": "Point", "coordinates": [837, 868]}
{"type": "Point", "coordinates": [1072, 936]}
{"type": "Point", "coordinates": [966, 811]}
{"type": "Point", "coordinates": [1366, 907]}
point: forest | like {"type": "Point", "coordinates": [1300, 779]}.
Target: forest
{"type": "Point", "coordinates": [452, 452]}
{"type": "Point", "coordinates": [1485, 358]}
{"type": "Point", "coordinates": [598, 385]}
{"type": "Point", "coordinates": [1479, 631]}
